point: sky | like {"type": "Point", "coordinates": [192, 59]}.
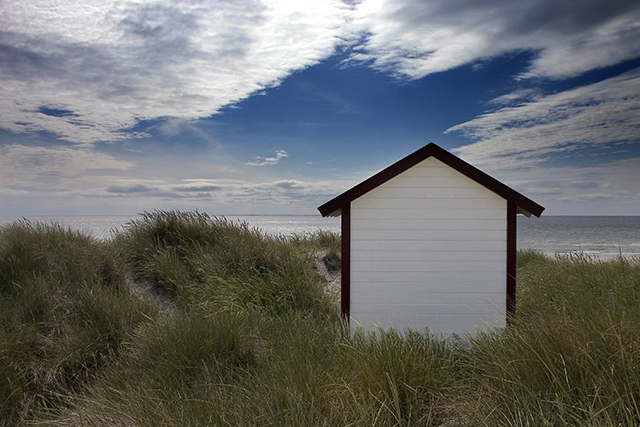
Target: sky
{"type": "Point", "coordinates": [277, 106]}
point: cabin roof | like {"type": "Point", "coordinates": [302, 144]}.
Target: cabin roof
{"type": "Point", "coordinates": [524, 205]}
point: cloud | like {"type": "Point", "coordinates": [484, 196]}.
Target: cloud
{"type": "Point", "coordinates": [614, 182]}
{"type": "Point", "coordinates": [25, 166]}
{"type": "Point", "coordinates": [527, 133]}
{"type": "Point", "coordinates": [113, 64]}
{"type": "Point", "coordinates": [198, 188]}
{"type": "Point", "coordinates": [282, 192]}
{"type": "Point", "coordinates": [298, 194]}
{"type": "Point", "coordinates": [132, 189]}
{"type": "Point", "coordinates": [107, 70]}
{"type": "Point", "coordinates": [268, 161]}
{"type": "Point", "coordinates": [412, 39]}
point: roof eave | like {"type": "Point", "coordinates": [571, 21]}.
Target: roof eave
{"type": "Point", "coordinates": [525, 205]}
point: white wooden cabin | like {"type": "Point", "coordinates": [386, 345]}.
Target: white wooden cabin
{"type": "Point", "coordinates": [430, 242]}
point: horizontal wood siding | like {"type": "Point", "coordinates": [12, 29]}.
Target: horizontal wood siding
{"type": "Point", "coordinates": [436, 297]}
{"type": "Point", "coordinates": [428, 249]}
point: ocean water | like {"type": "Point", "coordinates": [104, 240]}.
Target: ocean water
{"type": "Point", "coordinates": [103, 227]}
{"type": "Point", "coordinates": [594, 235]}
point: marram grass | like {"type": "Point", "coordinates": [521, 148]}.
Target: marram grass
{"type": "Point", "coordinates": [65, 310]}
{"type": "Point", "coordinates": [218, 265]}
{"type": "Point", "coordinates": [253, 339]}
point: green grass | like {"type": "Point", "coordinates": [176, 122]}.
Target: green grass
{"type": "Point", "coordinates": [65, 310]}
{"type": "Point", "coordinates": [252, 338]}
{"type": "Point", "coordinates": [216, 265]}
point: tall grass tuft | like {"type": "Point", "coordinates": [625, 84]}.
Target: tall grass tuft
{"type": "Point", "coordinates": [557, 374]}
{"type": "Point", "coordinates": [572, 356]}
{"type": "Point", "coordinates": [220, 265]}
{"type": "Point", "coordinates": [168, 371]}
{"type": "Point", "coordinates": [399, 379]}
{"type": "Point", "coordinates": [65, 310]}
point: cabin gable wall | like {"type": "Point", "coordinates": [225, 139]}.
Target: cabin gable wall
{"type": "Point", "coordinates": [428, 248]}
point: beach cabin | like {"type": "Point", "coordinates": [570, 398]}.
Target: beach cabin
{"type": "Point", "coordinates": [430, 242]}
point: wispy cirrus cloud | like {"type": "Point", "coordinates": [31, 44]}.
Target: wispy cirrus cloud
{"type": "Point", "coordinates": [563, 148]}
{"type": "Point", "coordinates": [529, 132]}
{"type": "Point", "coordinates": [412, 39]}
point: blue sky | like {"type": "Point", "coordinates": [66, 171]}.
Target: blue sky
{"type": "Point", "coordinates": [256, 106]}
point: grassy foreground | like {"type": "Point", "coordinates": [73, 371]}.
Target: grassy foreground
{"type": "Point", "coordinates": [182, 319]}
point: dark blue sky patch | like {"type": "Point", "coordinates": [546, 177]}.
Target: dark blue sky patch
{"type": "Point", "coordinates": [56, 112]}
{"type": "Point", "coordinates": [368, 114]}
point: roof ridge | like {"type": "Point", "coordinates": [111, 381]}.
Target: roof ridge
{"type": "Point", "coordinates": [525, 205]}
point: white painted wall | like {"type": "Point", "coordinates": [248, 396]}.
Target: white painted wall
{"type": "Point", "coordinates": [429, 249]}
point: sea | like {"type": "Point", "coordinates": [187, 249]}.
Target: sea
{"type": "Point", "coordinates": [599, 236]}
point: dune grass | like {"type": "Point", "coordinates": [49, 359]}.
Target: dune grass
{"type": "Point", "coordinates": [573, 355]}
{"type": "Point", "coordinates": [216, 265]}
{"type": "Point", "coordinates": [65, 310]}
{"type": "Point", "coordinates": [254, 340]}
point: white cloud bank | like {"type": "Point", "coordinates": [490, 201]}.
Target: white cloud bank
{"type": "Point", "coordinates": [92, 70]}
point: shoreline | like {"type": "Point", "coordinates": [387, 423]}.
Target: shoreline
{"type": "Point", "coordinates": [591, 256]}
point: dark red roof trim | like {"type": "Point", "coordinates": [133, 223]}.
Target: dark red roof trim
{"type": "Point", "coordinates": [345, 289]}
{"type": "Point", "coordinates": [524, 205]}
